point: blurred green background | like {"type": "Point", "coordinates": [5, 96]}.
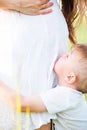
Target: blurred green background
{"type": "Point", "coordinates": [81, 32]}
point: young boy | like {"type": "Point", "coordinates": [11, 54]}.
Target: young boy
{"type": "Point", "coordinates": [66, 100]}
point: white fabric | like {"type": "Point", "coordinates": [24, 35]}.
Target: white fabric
{"type": "Point", "coordinates": [69, 106]}
{"type": "Point", "coordinates": [29, 46]}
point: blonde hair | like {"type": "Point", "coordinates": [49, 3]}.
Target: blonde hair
{"type": "Point", "coordinates": [81, 71]}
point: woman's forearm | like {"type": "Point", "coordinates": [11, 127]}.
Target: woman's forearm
{"type": "Point", "coordinates": [31, 7]}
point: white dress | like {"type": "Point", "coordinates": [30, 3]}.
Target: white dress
{"type": "Point", "coordinates": [29, 45]}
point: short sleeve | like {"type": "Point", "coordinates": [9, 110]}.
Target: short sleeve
{"type": "Point", "coordinates": [56, 100]}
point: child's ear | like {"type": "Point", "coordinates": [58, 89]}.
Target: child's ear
{"type": "Point", "coordinates": [71, 78]}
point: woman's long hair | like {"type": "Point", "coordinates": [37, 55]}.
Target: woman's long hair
{"type": "Point", "coordinates": [72, 10]}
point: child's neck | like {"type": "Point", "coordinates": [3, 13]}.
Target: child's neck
{"type": "Point", "coordinates": [73, 86]}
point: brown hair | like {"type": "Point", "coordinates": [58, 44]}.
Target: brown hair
{"type": "Point", "coordinates": [72, 10]}
{"type": "Point", "coordinates": [81, 69]}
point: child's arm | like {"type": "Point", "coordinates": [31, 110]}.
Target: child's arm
{"type": "Point", "coordinates": [33, 103]}
{"type": "Point", "coordinates": [9, 97]}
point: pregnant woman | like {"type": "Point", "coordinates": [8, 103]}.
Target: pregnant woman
{"type": "Point", "coordinates": [29, 46]}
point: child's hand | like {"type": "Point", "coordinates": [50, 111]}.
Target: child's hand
{"type": "Point", "coordinates": [6, 95]}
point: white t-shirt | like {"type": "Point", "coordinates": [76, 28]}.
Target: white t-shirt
{"type": "Point", "coordinates": [69, 106]}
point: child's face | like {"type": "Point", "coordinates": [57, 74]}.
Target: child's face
{"type": "Point", "coordinates": [65, 64]}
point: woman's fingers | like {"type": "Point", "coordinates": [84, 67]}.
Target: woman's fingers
{"type": "Point", "coordinates": [44, 11]}
{"type": "Point", "coordinates": [37, 9]}
{"type": "Point", "coordinates": [26, 3]}
{"type": "Point", "coordinates": [47, 5]}
{"type": "Point", "coordinates": [41, 2]}
{"type": "Point", "coordinates": [44, 8]}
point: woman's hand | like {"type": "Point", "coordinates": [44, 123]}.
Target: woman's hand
{"type": "Point", "coordinates": [35, 7]}
{"type": "Point", "coordinates": [31, 7]}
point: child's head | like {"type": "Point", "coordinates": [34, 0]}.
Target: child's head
{"type": "Point", "coordinates": [71, 68]}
